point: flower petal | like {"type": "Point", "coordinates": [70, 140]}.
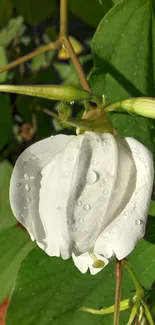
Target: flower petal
{"type": "Point", "coordinates": [121, 236]}
{"type": "Point", "coordinates": [54, 192]}
{"type": "Point", "coordinates": [84, 261]}
{"type": "Point", "coordinates": [96, 187]}
{"type": "Point", "coordinates": [25, 183]}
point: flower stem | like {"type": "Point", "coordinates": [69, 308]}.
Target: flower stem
{"type": "Point", "coordinates": [78, 67]}
{"type": "Point", "coordinates": [112, 107]}
{"type": "Point", "coordinates": [124, 305]}
{"type": "Point", "coordinates": [119, 276]}
{"type": "Point", "coordinates": [51, 46]}
{"type": "Point", "coordinates": [139, 288]}
{"type": "Point", "coordinates": [63, 18]}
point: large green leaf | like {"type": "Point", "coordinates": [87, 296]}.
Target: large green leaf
{"type": "Point", "coordinates": [88, 10]}
{"type": "Point", "coordinates": [124, 59]}
{"type": "Point", "coordinates": [34, 11]}
{"type": "Point", "coordinates": [6, 217]}
{"type": "Point", "coordinates": [3, 62]}
{"type": "Point", "coordinates": [5, 120]}
{"type": "Point", "coordinates": [123, 54]}
{"type": "Point", "coordinates": [15, 244]}
{"type": "Point", "coordinates": [51, 291]}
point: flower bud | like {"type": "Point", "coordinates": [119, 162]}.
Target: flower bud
{"type": "Point", "coordinates": [84, 196]}
{"type": "Point", "coordinates": [143, 106]}
{"type": "Point", "coordinates": [55, 92]}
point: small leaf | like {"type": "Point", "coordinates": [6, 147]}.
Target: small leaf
{"type": "Point", "coordinates": [34, 11]}
{"type": "Point", "coordinates": [6, 217]}
{"type": "Point", "coordinates": [15, 245]}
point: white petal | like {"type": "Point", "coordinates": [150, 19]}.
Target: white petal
{"type": "Point", "coordinates": [96, 184]}
{"type": "Point", "coordinates": [84, 261]}
{"type": "Point", "coordinates": [54, 192]}
{"type": "Point", "coordinates": [121, 236]}
{"type": "Point", "coordinates": [25, 183]}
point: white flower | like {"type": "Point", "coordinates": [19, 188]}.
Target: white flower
{"type": "Point", "coordinates": [84, 196]}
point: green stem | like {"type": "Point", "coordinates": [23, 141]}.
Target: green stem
{"type": "Point", "coordinates": [147, 313]}
{"type": "Point", "coordinates": [54, 115]}
{"type": "Point", "coordinates": [112, 107]}
{"type": "Point", "coordinates": [139, 288]}
{"type": "Point", "coordinates": [63, 18]}
{"type": "Point", "coordinates": [124, 304]}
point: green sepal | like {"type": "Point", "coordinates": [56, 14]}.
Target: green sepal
{"type": "Point", "coordinates": [54, 92]}
{"type": "Point", "coordinates": [94, 120]}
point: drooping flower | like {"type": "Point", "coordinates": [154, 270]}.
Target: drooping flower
{"type": "Point", "coordinates": [84, 196]}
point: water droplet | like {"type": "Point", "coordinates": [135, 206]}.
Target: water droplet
{"type": "Point", "coordinates": [99, 140]}
{"type": "Point", "coordinates": [94, 162]}
{"type": "Point", "coordinates": [103, 143]}
{"type": "Point", "coordinates": [81, 220]}
{"type": "Point", "coordinates": [126, 213]}
{"type": "Point", "coordinates": [74, 229]}
{"type": "Point", "coordinates": [28, 199]}
{"type": "Point", "coordinates": [79, 203]}
{"type": "Point", "coordinates": [138, 221]}
{"type": "Point", "coordinates": [27, 187]}
{"type": "Point", "coordinates": [18, 184]}
{"type": "Point", "coordinates": [99, 224]}
{"type": "Point", "coordinates": [106, 180]}
{"type": "Point", "coordinates": [24, 164]}
{"type": "Point", "coordinates": [26, 176]}
{"type": "Point", "coordinates": [86, 207]}
{"type": "Point", "coordinates": [86, 242]}
{"type": "Point", "coordinates": [65, 174]}
{"type": "Point", "coordinates": [105, 191]}
{"type": "Point", "coordinates": [102, 184]}
{"type": "Point", "coordinates": [91, 177]}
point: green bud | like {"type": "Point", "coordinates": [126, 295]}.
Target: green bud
{"type": "Point", "coordinates": [55, 92]}
{"type": "Point", "coordinates": [94, 120]}
{"type": "Point", "coordinates": [143, 106]}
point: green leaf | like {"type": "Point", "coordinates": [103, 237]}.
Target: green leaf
{"type": "Point", "coordinates": [123, 63]}
{"type": "Point", "coordinates": [122, 50]}
{"type": "Point", "coordinates": [152, 209]}
{"type": "Point", "coordinates": [88, 10]}
{"type": "Point", "coordinates": [3, 62]}
{"type": "Point", "coordinates": [6, 11]}
{"type": "Point", "coordinates": [13, 28]}
{"type": "Point", "coordinates": [34, 11]}
{"type": "Point", "coordinates": [106, 4]}
{"type": "Point", "coordinates": [15, 245]}
{"type": "Point", "coordinates": [55, 290]}
{"type": "Point", "coordinates": [134, 126]}
{"type": "Point", "coordinates": [5, 120]}
{"type": "Point", "coordinates": [6, 217]}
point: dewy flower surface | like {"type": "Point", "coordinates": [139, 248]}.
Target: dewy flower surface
{"type": "Point", "coordinates": [84, 196]}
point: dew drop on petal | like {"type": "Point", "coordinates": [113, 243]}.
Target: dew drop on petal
{"type": "Point", "coordinates": [78, 203]}
{"type": "Point", "coordinates": [106, 180]}
{"type": "Point", "coordinates": [94, 162]}
{"type": "Point", "coordinates": [81, 220]}
{"type": "Point", "coordinates": [138, 221]}
{"type": "Point", "coordinates": [18, 184]}
{"type": "Point", "coordinates": [28, 200]}
{"type": "Point", "coordinates": [27, 187]}
{"type": "Point", "coordinates": [91, 177]}
{"type": "Point", "coordinates": [73, 229]}
{"type": "Point", "coordinates": [99, 140]}
{"type": "Point", "coordinates": [126, 213]}
{"type": "Point", "coordinates": [86, 207]}
{"type": "Point", "coordinates": [105, 191]}
{"type": "Point", "coordinates": [26, 176]}
{"type": "Point", "coordinates": [65, 174]}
